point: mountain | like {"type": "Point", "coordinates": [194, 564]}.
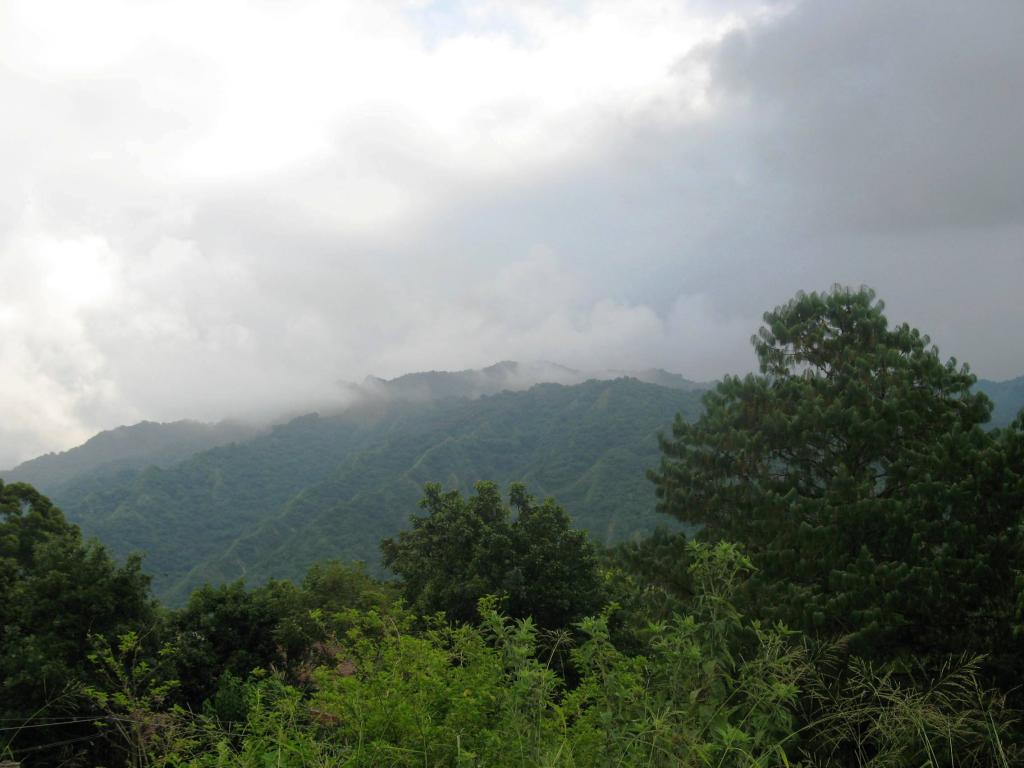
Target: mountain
{"type": "Point", "coordinates": [124, 449]}
{"type": "Point", "coordinates": [660, 377]}
{"type": "Point", "coordinates": [334, 486]}
{"type": "Point", "coordinates": [587, 445]}
{"type": "Point", "coordinates": [1007, 396]}
{"type": "Point", "coordinates": [505, 376]}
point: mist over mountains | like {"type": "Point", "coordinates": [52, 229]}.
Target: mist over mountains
{"type": "Point", "coordinates": [507, 375]}
{"type": "Point", "coordinates": [163, 444]}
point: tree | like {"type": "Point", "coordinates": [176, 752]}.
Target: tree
{"type": "Point", "coordinates": [228, 630]}
{"type": "Point", "coordinates": [58, 595]}
{"type": "Point", "coordinates": [856, 471]}
{"type": "Point", "coordinates": [650, 582]}
{"type": "Point", "coordinates": [464, 549]}
{"type": "Point", "coordinates": [332, 586]}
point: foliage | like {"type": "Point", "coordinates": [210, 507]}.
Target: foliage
{"type": "Point", "coordinates": [865, 716]}
{"type": "Point", "coordinates": [344, 676]}
{"type": "Point", "coordinates": [332, 586]}
{"type": "Point", "coordinates": [228, 630]}
{"type": "Point", "coordinates": [56, 591]}
{"type": "Point", "coordinates": [133, 690]}
{"type": "Point", "coordinates": [487, 696]}
{"type": "Point", "coordinates": [710, 688]}
{"type": "Point", "coordinates": [694, 698]}
{"type": "Point", "coordinates": [649, 581]}
{"type": "Point", "coordinates": [224, 633]}
{"type": "Point", "coordinates": [464, 549]}
{"type": "Point", "coordinates": [856, 470]}
{"type": "Point", "coordinates": [661, 561]}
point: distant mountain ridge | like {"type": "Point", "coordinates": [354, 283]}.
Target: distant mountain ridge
{"type": "Point", "coordinates": [333, 486]}
{"type": "Point", "coordinates": [163, 444]}
{"type": "Point", "coordinates": [147, 443]}
{"type": "Point", "coordinates": [505, 376]}
{"type": "Point", "coordinates": [1007, 398]}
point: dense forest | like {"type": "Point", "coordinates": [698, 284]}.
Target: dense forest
{"type": "Point", "coordinates": [848, 589]}
{"type": "Point", "coordinates": [323, 486]}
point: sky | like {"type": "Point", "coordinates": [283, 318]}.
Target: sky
{"type": "Point", "coordinates": [224, 209]}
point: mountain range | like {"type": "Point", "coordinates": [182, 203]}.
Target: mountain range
{"type": "Point", "coordinates": [228, 500]}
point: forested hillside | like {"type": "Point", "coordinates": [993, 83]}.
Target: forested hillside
{"type": "Point", "coordinates": [122, 450]}
{"type": "Point", "coordinates": [333, 486]}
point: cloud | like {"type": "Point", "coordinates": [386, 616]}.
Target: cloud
{"type": "Point", "coordinates": [52, 372]}
{"type": "Point", "coordinates": [877, 116]}
{"type": "Point", "coordinates": [211, 210]}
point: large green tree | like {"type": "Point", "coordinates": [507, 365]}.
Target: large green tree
{"type": "Point", "coordinates": [463, 549]}
{"type": "Point", "coordinates": [856, 470]}
{"type": "Point", "coordinates": [58, 594]}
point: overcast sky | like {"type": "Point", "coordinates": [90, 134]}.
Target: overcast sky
{"type": "Point", "coordinates": [214, 208]}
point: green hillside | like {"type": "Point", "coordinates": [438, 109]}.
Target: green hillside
{"type": "Point", "coordinates": [320, 487]}
{"type": "Point", "coordinates": [124, 449]}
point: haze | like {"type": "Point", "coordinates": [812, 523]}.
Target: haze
{"type": "Point", "coordinates": [213, 209]}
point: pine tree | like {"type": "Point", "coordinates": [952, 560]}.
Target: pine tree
{"type": "Point", "coordinates": [856, 470]}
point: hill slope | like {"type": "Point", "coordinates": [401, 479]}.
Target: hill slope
{"type": "Point", "coordinates": [123, 449]}
{"type": "Point", "coordinates": [321, 487]}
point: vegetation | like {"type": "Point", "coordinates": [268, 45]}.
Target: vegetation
{"type": "Point", "coordinates": [464, 550]}
{"type": "Point", "coordinates": [856, 471]}
{"type": "Point", "coordinates": [853, 599]}
{"type": "Point", "coordinates": [58, 595]}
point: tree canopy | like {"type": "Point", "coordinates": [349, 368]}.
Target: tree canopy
{"type": "Point", "coordinates": [856, 470]}
{"type": "Point", "coordinates": [464, 549]}
{"type": "Point", "coordinates": [58, 594]}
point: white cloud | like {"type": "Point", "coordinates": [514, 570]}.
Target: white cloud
{"type": "Point", "coordinates": [51, 369]}
{"type": "Point", "coordinates": [217, 207]}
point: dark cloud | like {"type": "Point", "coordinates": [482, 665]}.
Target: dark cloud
{"type": "Point", "coordinates": [877, 115]}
